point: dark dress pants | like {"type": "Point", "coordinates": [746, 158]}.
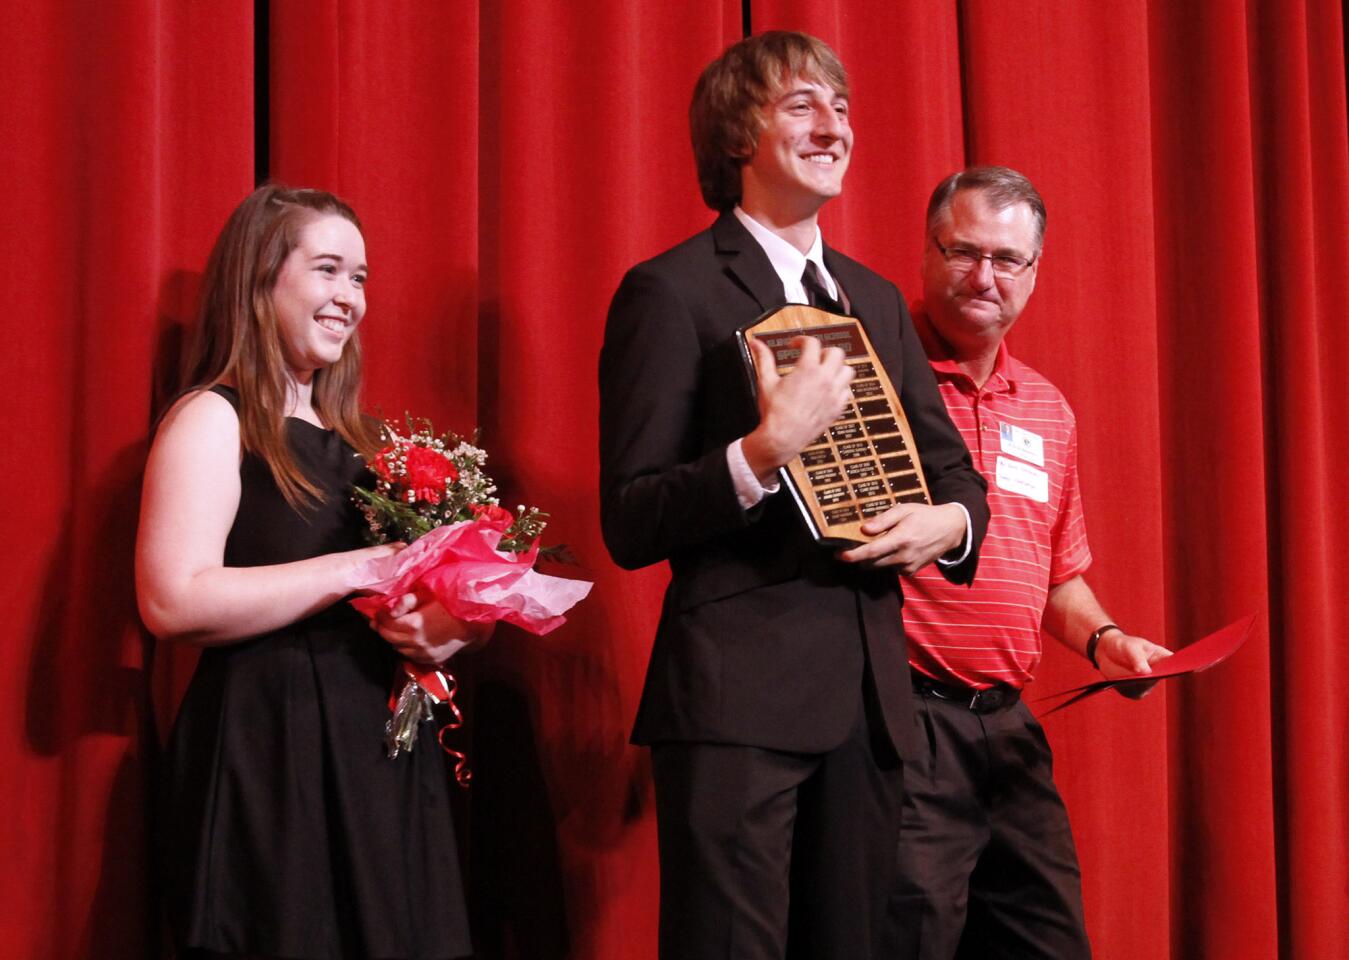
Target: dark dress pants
{"type": "Point", "coordinates": [766, 855]}
{"type": "Point", "coordinates": [987, 867]}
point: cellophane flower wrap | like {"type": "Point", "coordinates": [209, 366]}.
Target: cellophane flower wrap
{"type": "Point", "coordinates": [465, 551]}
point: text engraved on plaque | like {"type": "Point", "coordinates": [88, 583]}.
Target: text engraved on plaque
{"type": "Point", "coordinates": [825, 476]}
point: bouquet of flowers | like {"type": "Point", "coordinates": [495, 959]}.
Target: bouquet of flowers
{"type": "Point", "coordinates": [465, 550]}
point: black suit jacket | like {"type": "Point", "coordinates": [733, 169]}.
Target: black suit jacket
{"type": "Point", "coordinates": [764, 637]}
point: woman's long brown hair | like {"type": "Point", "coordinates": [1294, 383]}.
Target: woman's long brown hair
{"type": "Point", "coordinates": [237, 339]}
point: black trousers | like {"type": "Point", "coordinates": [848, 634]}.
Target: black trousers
{"type": "Point", "coordinates": [987, 867]}
{"type": "Point", "coordinates": [766, 855]}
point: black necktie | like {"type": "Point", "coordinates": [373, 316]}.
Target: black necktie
{"type": "Point", "coordinates": [817, 294]}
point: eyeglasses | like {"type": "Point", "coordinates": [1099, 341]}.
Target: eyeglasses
{"type": "Point", "coordinates": [1004, 265]}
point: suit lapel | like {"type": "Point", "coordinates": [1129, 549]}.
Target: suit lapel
{"type": "Point", "coordinates": [745, 261]}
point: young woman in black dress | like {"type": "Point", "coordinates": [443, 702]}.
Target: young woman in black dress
{"type": "Point", "coordinates": [286, 830]}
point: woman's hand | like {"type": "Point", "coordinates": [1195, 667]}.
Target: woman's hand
{"type": "Point", "coordinates": [424, 632]}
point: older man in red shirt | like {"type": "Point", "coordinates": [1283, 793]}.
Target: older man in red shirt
{"type": "Point", "coordinates": [987, 865]}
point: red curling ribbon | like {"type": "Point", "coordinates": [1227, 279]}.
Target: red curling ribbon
{"type": "Point", "coordinates": [462, 774]}
{"type": "Point", "coordinates": [441, 686]}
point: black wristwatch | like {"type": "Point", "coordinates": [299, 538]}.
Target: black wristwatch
{"type": "Point", "coordinates": [1095, 638]}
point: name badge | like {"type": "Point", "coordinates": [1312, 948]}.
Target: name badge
{"type": "Point", "coordinates": [1017, 477]}
{"type": "Point", "coordinates": [1022, 443]}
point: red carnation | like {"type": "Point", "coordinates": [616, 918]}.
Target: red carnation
{"type": "Point", "coordinates": [384, 462]}
{"type": "Point", "coordinates": [427, 474]}
{"type": "Point", "coordinates": [490, 513]}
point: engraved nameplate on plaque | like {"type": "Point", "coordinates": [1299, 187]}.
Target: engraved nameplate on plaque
{"type": "Point", "coordinates": [866, 462]}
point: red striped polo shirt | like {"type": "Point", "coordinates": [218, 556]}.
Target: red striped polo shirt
{"type": "Point", "coordinates": [1022, 436]}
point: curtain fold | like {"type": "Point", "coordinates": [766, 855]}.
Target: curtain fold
{"type": "Point", "coordinates": [510, 160]}
{"type": "Point", "coordinates": [379, 104]}
{"type": "Point", "coordinates": [904, 69]}
{"type": "Point", "coordinates": [1217, 477]}
{"type": "Point", "coordinates": [1061, 92]}
{"type": "Point", "coordinates": [1301, 170]}
{"type": "Point", "coordinates": [121, 159]}
{"type": "Point", "coordinates": [586, 170]}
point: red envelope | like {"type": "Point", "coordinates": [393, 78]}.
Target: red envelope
{"type": "Point", "coordinates": [1192, 658]}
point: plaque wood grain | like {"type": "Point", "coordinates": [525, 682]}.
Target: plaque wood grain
{"type": "Point", "coordinates": [866, 462]}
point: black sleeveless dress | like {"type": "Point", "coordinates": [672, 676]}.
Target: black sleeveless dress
{"type": "Point", "coordinates": [287, 831]}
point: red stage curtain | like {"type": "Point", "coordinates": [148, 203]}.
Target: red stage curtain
{"type": "Point", "coordinates": [586, 169]}
{"type": "Point", "coordinates": [127, 135]}
{"type": "Point", "coordinates": [1250, 165]}
{"type": "Point", "coordinates": [510, 160]}
{"type": "Point", "coordinates": [903, 64]}
{"type": "Point", "coordinates": [1301, 163]}
{"type": "Point", "coordinates": [1038, 88]}
{"type": "Point", "coordinates": [382, 109]}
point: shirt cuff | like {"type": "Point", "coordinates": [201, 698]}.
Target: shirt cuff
{"type": "Point", "coordinates": [748, 490]}
{"type": "Point", "coordinates": [969, 540]}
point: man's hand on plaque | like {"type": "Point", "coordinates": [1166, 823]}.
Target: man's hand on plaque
{"type": "Point", "coordinates": [797, 407]}
{"type": "Point", "coordinates": [909, 536]}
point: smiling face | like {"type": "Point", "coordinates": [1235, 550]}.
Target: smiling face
{"type": "Point", "coordinates": [972, 308]}
{"type": "Point", "coordinates": [801, 156]}
{"type": "Point", "coordinates": [319, 296]}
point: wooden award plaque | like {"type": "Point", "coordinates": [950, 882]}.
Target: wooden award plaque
{"type": "Point", "coordinates": [866, 462]}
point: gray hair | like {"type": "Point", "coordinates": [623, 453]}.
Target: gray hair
{"type": "Point", "coordinates": [1003, 187]}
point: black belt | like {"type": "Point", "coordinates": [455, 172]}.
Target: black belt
{"type": "Point", "coordinates": [977, 701]}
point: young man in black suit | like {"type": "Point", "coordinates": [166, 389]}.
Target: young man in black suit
{"type": "Point", "coordinates": [777, 698]}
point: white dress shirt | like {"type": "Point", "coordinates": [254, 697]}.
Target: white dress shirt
{"type": "Point", "coordinates": [789, 263]}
